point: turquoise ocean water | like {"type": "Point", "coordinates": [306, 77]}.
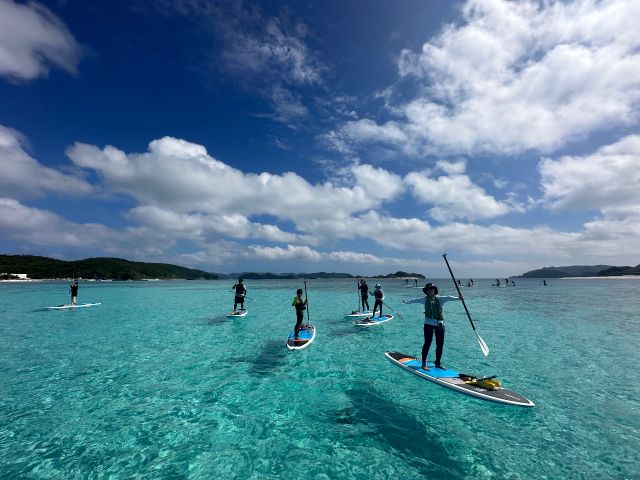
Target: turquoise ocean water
{"type": "Point", "coordinates": [157, 383]}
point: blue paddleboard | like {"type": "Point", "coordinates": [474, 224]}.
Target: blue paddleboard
{"type": "Point", "coordinates": [306, 336]}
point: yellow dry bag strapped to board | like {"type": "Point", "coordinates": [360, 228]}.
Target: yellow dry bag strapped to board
{"type": "Point", "coordinates": [488, 383]}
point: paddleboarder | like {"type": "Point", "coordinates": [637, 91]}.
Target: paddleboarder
{"type": "Point", "coordinates": [379, 296]}
{"type": "Point", "coordinates": [73, 290]}
{"type": "Point", "coordinates": [300, 306]}
{"type": "Point", "coordinates": [364, 295]}
{"type": "Point", "coordinates": [240, 291]}
{"type": "Point", "coordinates": [433, 320]}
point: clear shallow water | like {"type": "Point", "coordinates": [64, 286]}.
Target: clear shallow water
{"type": "Point", "coordinates": [157, 383]}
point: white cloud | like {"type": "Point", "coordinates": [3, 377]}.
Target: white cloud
{"type": "Point", "coordinates": [454, 196]}
{"type": "Point", "coordinates": [259, 46]}
{"type": "Point", "coordinates": [376, 182]}
{"type": "Point", "coordinates": [31, 39]}
{"type": "Point", "coordinates": [23, 177]}
{"type": "Point", "coordinates": [607, 180]}
{"type": "Point", "coordinates": [288, 108]}
{"type": "Point", "coordinates": [203, 228]}
{"type": "Point", "coordinates": [291, 252]}
{"type": "Point", "coordinates": [44, 228]}
{"type": "Point", "coordinates": [180, 176]}
{"type": "Point", "coordinates": [516, 76]}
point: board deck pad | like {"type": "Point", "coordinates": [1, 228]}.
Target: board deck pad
{"type": "Point", "coordinates": [238, 313]}
{"type": "Point", "coordinates": [306, 336]}
{"type": "Point", "coordinates": [370, 321]}
{"type": "Point", "coordinates": [451, 379]}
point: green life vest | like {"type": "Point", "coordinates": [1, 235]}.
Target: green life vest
{"type": "Point", "coordinates": [433, 309]}
{"type": "Point", "coordinates": [298, 303]}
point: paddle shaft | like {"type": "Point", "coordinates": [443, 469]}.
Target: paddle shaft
{"type": "Point", "coordinates": [459, 293]}
{"type": "Point", "coordinates": [306, 301]}
{"type": "Point", "coordinates": [399, 316]}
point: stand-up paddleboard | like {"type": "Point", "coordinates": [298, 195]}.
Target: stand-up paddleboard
{"type": "Point", "coordinates": [462, 383]}
{"type": "Point", "coordinates": [358, 314]}
{"type": "Point", "coordinates": [370, 321]}
{"type": "Point", "coordinates": [69, 306]}
{"type": "Point", "coordinates": [238, 313]}
{"type": "Point", "coordinates": [306, 336]}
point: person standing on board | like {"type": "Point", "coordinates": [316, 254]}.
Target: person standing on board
{"type": "Point", "coordinates": [73, 290]}
{"type": "Point", "coordinates": [433, 321]}
{"type": "Point", "coordinates": [364, 294]}
{"type": "Point", "coordinates": [240, 291]}
{"type": "Point", "coordinates": [379, 296]}
{"type": "Point", "coordinates": [300, 306]}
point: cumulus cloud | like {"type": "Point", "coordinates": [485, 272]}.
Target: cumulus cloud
{"type": "Point", "coordinates": [607, 180]}
{"type": "Point", "coordinates": [24, 177]}
{"type": "Point", "coordinates": [31, 39]}
{"type": "Point", "coordinates": [203, 228]}
{"type": "Point", "coordinates": [515, 76]}
{"type": "Point", "coordinates": [291, 252]}
{"type": "Point", "coordinates": [180, 176]}
{"type": "Point", "coordinates": [35, 226]}
{"type": "Point", "coordinates": [454, 195]}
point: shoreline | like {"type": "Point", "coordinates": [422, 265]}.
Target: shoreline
{"type": "Point", "coordinates": [611, 277]}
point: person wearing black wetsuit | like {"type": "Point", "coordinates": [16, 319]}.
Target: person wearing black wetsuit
{"type": "Point", "coordinates": [300, 306]}
{"type": "Point", "coordinates": [241, 291]}
{"type": "Point", "coordinates": [73, 290]}
{"type": "Point", "coordinates": [364, 295]}
{"type": "Point", "coordinates": [379, 296]}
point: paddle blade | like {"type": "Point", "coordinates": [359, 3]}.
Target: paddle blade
{"type": "Point", "coordinates": [483, 345]}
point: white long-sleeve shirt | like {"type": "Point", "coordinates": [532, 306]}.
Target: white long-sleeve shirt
{"type": "Point", "coordinates": [423, 301]}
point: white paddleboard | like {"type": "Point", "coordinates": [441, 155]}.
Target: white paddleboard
{"type": "Point", "coordinates": [370, 321]}
{"type": "Point", "coordinates": [66, 307]}
{"type": "Point", "coordinates": [238, 313]}
{"type": "Point", "coordinates": [358, 314]}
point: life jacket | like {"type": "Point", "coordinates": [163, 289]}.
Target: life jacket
{"type": "Point", "coordinates": [298, 303]}
{"type": "Point", "coordinates": [433, 308]}
{"type": "Point", "coordinates": [240, 289]}
{"type": "Point", "coordinates": [378, 294]}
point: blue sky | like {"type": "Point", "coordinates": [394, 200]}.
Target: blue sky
{"type": "Point", "coordinates": [364, 137]}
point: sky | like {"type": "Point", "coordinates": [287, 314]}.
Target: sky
{"type": "Point", "coordinates": [363, 136]}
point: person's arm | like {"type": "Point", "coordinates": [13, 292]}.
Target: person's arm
{"type": "Point", "coordinates": [448, 298]}
{"type": "Point", "coordinates": [415, 300]}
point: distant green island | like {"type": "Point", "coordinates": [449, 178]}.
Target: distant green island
{"type": "Point", "coordinates": [294, 276]}
{"type": "Point", "coordinates": [100, 268]}
{"type": "Point", "coordinates": [581, 271]}
{"type": "Point", "coordinates": [400, 275]}
{"type": "Point", "coordinates": [104, 268]}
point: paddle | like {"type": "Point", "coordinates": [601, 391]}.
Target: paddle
{"type": "Point", "coordinates": [483, 344]}
{"type": "Point", "coordinates": [306, 302]}
{"type": "Point", "coordinates": [399, 316]}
